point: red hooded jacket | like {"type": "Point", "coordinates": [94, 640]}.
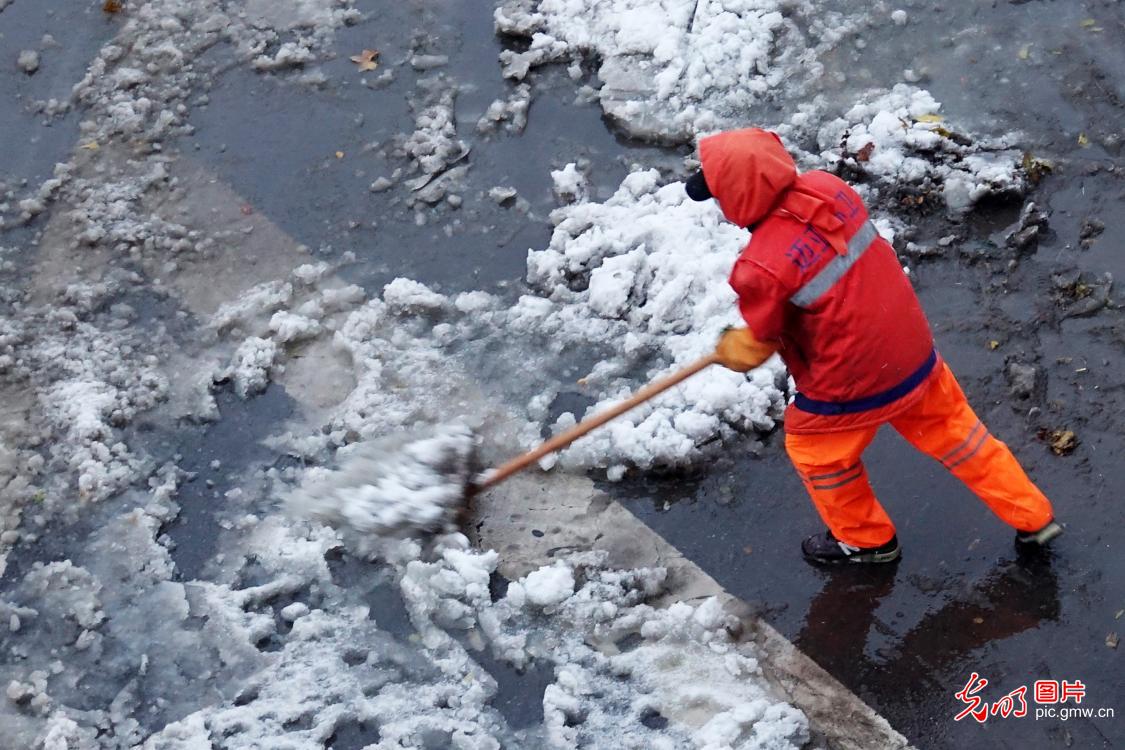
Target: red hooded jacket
{"type": "Point", "coordinates": [819, 281]}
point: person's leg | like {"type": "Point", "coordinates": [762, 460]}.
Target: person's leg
{"type": "Point", "coordinates": [829, 464]}
{"type": "Point", "coordinates": [944, 426]}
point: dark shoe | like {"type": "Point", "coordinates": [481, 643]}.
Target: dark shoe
{"type": "Point", "coordinates": [826, 549]}
{"type": "Point", "coordinates": [1031, 540]}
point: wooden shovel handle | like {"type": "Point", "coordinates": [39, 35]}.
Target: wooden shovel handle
{"type": "Point", "coordinates": [560, 441]}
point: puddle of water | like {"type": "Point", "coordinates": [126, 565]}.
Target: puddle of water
{"type": "Point", "coordinates": [1074, 201]}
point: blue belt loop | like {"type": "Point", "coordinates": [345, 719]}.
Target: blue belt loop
{"type": "Point", "coordinates": [832, 408]}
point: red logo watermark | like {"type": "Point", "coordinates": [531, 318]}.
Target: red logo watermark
{"type": "Point", "coordinates": [1049, 695]}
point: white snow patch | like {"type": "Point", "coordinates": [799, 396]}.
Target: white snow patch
{"type": "Point", "coordinates": [288, 327]}
{"type": "Point", "coordinates": [548, 585]}
{"type": "Point", "coordinates": [645, 275]}
{"type": "Point", "coordinates": [28, 61]}
{"type": "Point", "coordinates": [673, 68]}
{"type": "Point", "coordinates": [406, 295]}
{"type": "Point", "coordinates": [251, 366]}
{"type": "Point", "coordinates": [570, 184]}
{"type": "Point", "coordinates": [905, 144]}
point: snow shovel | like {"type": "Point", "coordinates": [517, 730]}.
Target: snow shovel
{"type": "Point", "coordinates": [497, 475]}
{"type": "Point", "coordinates": [406, 485]}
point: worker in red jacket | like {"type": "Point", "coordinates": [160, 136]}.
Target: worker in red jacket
{"type": "Point", "coordinates": [818, 285]}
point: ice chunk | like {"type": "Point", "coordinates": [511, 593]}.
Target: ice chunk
{"type": "Point", "coordinates": [251, 366]}
{"type": "Point", "coordinates": [570, 184]}
{"type": "Point", "coordinates": [289, 55]}
{"type": "Point", "coordinates": [260, 300]}
{"type": "Point", "coordinates": [406, 295]}
{"type": "Point", "coordinates": [28, 61]}
{"type": "Point", "coordinates": [288, 327]}
{"type": "Point", "coordinates": [434, 145]}
{"type": "Point", "coordinates": [549, 585]}
{"type": "Point", "coordinates": [511, 113]}
{"type": "Point", "coordinates": [294, 611]}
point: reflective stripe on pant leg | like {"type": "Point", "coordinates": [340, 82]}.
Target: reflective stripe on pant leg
{"type": "Point", "coordinates": [944, 426]}
{"type": "Point", "coordinates": [995, 475]}
{"type": "Point", "coordinates": [830, 467]}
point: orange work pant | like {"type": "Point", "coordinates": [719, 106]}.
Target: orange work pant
{"type": "Point", "coordinates": [942, 425]}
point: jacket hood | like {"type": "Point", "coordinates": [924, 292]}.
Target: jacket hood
{"type": "Point", "coordinates": [747, 171]}
{"type": "Point", "coordinates": [752, 175]}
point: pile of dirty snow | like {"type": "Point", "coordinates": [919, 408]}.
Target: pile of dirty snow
{"type": "Point", "coordinates": [669, 69]}
{"type": "Point", "coordinates": [637, 283]}
{"type": "Point", "coordinates": [621, 667]}
{"type": "Point", "coordinates": [680, 69]}
{"type": "Point", "coordinates": [302, 654]}
{"type": "Point", "coordinates": [91, 374]}
{"type": "Point", "coordinates": [899, 142]}
{"type": "Point", "coordinates": [644, 274]}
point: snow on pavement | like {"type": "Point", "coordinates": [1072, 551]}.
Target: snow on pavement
{"type": "Point", "coordinates": [679, 69]}
{"type": "Point", "coordinates": [671, 68]}
{"type": "Point", "coordinates": [107, 647]}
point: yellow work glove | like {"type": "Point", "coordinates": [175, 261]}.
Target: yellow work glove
{"type": "Point", "coordinates": [738, 350]}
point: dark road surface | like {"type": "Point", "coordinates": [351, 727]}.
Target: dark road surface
{"type": "Point", "coordinates": [906, 637]}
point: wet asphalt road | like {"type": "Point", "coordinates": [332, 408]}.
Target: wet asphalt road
{"type": "Point", "coordinates": [905, 638]}
{"type": "Point", "coordinates": [255, 134]}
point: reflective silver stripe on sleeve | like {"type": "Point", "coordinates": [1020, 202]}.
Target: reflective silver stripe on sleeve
{"type": "Point", "coordinates": [836, 268]}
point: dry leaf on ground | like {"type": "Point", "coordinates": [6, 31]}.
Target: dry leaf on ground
{"type": "Point", "coordinates": [1062, 442]}
{"type": "Point", "coordinates": [366, 60]}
